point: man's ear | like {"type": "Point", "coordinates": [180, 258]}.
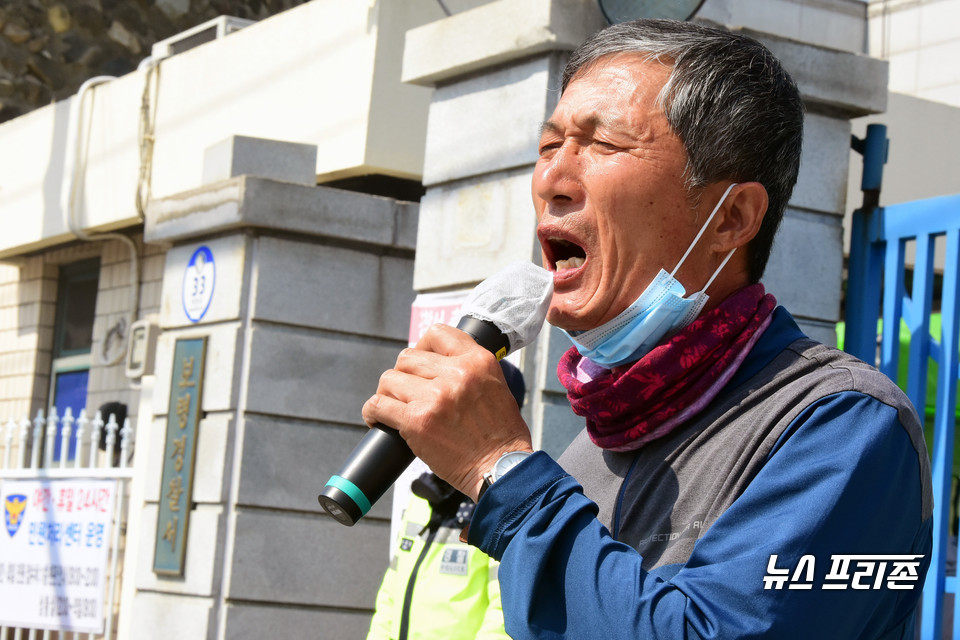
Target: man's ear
{"type": "Point", "coordinates": [740, 216]}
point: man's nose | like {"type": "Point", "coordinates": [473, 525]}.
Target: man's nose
{"type": "Point", "coordinates": [556, 177]}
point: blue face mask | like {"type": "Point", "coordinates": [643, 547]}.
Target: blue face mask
{"type": "Point", "coordinates": [661, 310]}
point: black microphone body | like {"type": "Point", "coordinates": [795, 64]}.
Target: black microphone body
{"type": "Point", "coordinates": [382, 454]}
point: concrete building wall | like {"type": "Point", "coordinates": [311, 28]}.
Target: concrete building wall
{"type": "Point", "coordinates": [108, 382]}
{"type": "Point", "coordinates": [26, 335]}
{"type": "Point", "coordinates": [28, 296]}
{"type": "Point", "coordinates": [920, 40]}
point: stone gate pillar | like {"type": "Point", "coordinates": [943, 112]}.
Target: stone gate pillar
{"type": "Point", "coordinates": [306, 301]}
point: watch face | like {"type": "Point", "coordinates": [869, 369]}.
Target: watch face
{"type": "Point", "coordinates": [508, 461]}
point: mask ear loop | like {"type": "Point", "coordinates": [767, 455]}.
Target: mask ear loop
{"type": "Point", "coordinates": [717, 272]}
{"type": "Point", "coordinates": [700, 233]}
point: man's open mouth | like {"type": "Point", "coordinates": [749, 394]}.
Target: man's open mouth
{"type": "Point", "coordinates": [565, 254]}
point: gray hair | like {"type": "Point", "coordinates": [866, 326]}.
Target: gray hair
{"type": "Point", "coordinates": [736, 110]}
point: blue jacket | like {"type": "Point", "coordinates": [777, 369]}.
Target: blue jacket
{"type": "Point", "coordinates": [773, 514]}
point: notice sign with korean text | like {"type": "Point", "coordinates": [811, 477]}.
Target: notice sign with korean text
{"type": "Point", "coordinates": [53, 553]}
{"type": "Point", "coordinates": [179, 454]}
{"type": "Point", "coordinates": [434, 308]}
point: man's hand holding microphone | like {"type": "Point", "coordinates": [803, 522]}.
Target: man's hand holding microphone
{"type": "Point", "coordinates": [449, 400]}
{"type": "Point", "coordinates": [446, 399]}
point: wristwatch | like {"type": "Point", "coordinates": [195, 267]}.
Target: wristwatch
{"type": "Point", "coordinates": [506, 462]}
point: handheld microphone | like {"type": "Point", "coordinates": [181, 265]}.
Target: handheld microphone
{"type": "Point", "coordinates": [503, 313]}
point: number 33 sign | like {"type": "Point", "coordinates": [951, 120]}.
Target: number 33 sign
{"type": "Point", "coordinates": [198, 281]}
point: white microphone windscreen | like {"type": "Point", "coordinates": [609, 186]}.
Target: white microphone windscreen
{"type": "Point", "coordinates": [515, 299]}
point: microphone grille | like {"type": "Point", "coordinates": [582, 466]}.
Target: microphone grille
{"type": "Point", "coordinates": [515, 299]}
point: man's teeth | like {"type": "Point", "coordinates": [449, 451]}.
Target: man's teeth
{"type": "Point", "coordinates": [569, 263]}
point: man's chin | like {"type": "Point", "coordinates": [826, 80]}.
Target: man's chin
{"type": "Point", "coordinates": [565, 321]}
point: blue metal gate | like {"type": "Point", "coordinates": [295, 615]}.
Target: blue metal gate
{"type": "Point", "coordinates": [877, 280]}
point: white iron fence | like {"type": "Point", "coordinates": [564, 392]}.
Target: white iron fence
{"type": "Point", "coordinates": [29, 455]}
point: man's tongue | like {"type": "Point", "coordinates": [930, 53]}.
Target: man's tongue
{"type": "Point", "coordinates": [569, 263]}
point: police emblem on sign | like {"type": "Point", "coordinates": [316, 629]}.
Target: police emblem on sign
{"type": "Point", "coordinates": [454, 562]}
{"type": "Point", "coordinates": [14, 509]}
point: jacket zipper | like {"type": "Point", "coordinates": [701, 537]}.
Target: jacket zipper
{"type": "Point", "coordinates": [408, 595]}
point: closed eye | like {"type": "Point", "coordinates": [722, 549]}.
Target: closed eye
{"type": "Point", "coordinates": [607, 146]}
{"type": "Point", "coordinates": [547, 147]}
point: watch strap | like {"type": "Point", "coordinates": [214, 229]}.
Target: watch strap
{"type": "Point", "coordinates": [487, 483]}
{"type": "Point", "coordinates": [490, 477]}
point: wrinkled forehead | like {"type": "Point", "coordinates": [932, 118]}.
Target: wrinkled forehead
{"type": "Point", "coordinates": [623, 58]}
{"type": "Point", "coordinates": [621, 85]}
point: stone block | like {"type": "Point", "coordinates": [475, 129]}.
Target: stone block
{"type": "Point", "coordinates": [193, 295]}
{"type": "Point", "coordinates": [220, 381]}
{"type": "Point", "coordinates": [151, 438]}
{"type": "Point", "coordinates": [314, 375]}
{"type": "Point", "coordinates": [274, 159]}
{"type": "Point", "coordinates": [335, 288]}
{"type": "Point", "coordinates": [824, 165]}
{"type": "Point", "coordinates": [490, 122]}
{"type": "Point", "coordinates": [211, 475]}
{"type": "Point", "coordinates": [855, 86]}
{"type": "Point", "coordinates": [328, 212]}
{"type": "Point", "coordinates": [285, 464]}
{"type": "Point", "coordinates": [471, 228]}
{"type": "Point", "coordinates": [251, 622]}
{"type": "Point", "coordinates": [312, 560]}
{"type": "Point", "coordinates": [806, 266]}
{"type": "Point", "coordinates": [493, 34]}
{"type": "Point", "coordinates": [159, 616]}
{"type": "Point", "coordinates": [203, 564]}
{"type": "Point", "coordinates": [406, 219]}
{"type": "Point", "coordinates": [267, 204]}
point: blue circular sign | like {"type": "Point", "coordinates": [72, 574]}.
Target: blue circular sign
{"type": "Point", "coordinates": [198, 282]}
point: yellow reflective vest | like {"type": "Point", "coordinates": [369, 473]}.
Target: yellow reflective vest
{"type": "Point", "coordinates": [437, 587]}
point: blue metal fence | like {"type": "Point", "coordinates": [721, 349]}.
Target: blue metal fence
{"type": "Point", "coordinates": [877, 282]}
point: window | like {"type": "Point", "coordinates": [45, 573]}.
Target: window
{"type": "Point", "coordinates": [72, 342]}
